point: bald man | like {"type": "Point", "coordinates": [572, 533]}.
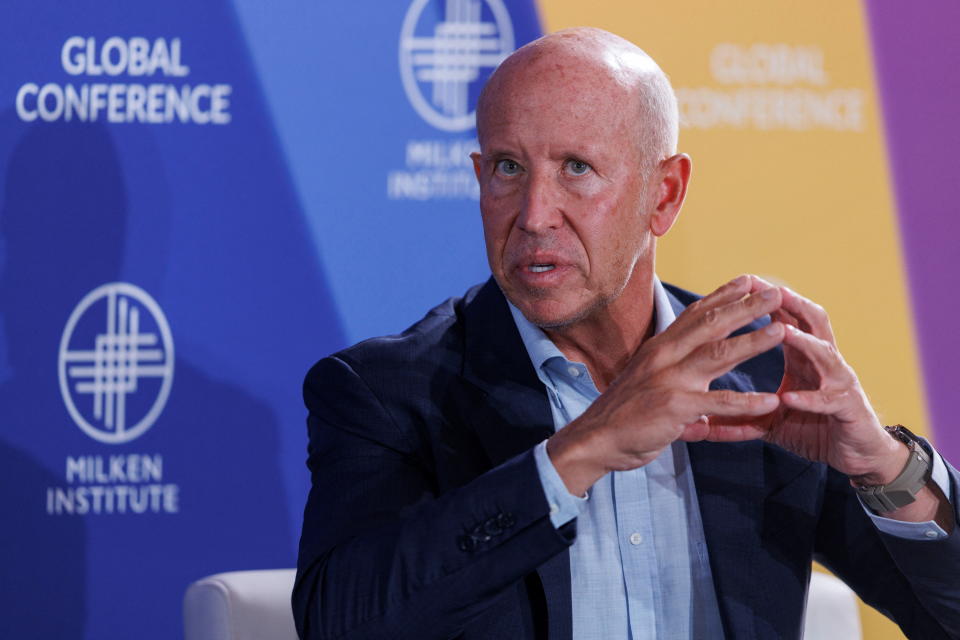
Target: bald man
{"type": "Point", "coordinates": [577, 450]}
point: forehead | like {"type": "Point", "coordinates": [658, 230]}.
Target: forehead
{"type": "Point", "coordinates": [559, 101]}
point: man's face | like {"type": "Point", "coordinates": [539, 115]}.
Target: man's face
{"type": "Point", "coordinates": [562, 194]}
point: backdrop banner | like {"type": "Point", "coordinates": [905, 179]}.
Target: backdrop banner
{"type": "Point", "coordinates": [781, 113]}
{"type": "Point", "coordinates": [198, 201]}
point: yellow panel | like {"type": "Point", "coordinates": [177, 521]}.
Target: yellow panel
{"type": "Point", "coordinates": [790, 178]}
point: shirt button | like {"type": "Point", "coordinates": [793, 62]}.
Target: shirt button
{"type": "Point", "coordinates": [931, 534]}
{"type": "Point", "coordinates": [635, 538]}
{"type": "Point", "coordinates": [573, 371]}
{"type": "Point", "coordinates": [554, 508]}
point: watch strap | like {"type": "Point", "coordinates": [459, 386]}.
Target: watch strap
{"type": "Point", "coordinates": [884, 498]}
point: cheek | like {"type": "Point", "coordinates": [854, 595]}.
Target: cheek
{"type": "Point", "coordinates": [496, 222]}
{"type": "Point", "coordinates": [611, 232]}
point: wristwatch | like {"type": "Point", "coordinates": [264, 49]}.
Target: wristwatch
{"type": "Point", "coordinates": [884, 498]}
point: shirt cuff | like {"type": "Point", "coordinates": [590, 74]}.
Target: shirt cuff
{"type": "Point", "coordinates": [564, 506]}
{"type": "Point", "coordinates": [928, 530]}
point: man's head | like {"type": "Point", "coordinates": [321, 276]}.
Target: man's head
{"type": "Point", "coordinates": [577, 172]}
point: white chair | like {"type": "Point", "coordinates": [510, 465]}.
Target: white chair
{"type": "Point", "coordinates": [240, 605]}
{"type": "Point", "coordinates": [832, 612]}
{"type": "Point", "coordinates": [255, 605]}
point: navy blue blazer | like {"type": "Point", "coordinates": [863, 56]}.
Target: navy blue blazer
{"type": "Point", "coordinates": [426, 517]}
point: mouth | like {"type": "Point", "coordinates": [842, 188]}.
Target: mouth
{"type": "Point", "coordinates": [542, 267]}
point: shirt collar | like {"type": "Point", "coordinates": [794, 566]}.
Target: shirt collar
{"type": "Point", "coordinates": [541, 349]}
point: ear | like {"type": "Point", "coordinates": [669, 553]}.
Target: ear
{"type": "Point", "coordinates": [674, 176]}
{"type": "Point", "coordinates": [475, 156]}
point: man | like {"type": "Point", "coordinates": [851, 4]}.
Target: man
{"type": "Point", "coordinates": [452, 464]}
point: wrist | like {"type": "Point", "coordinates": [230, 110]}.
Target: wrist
{"type": "Point", "coordinates": [575, 461]}
{"type": "Point", "coordinates": [888, 465]}
{"type": "Point", "coordinates": [885, 495]}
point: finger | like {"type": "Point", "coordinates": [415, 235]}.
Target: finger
{"type": "Point", "coordinates": [716, 358]}
{"type": "Point", "coordinates": [832, 403]}
{"type": "Point", "coordinates": [813, 319]}
{"type": "Point", "coordinates": [824, 356]}
{"type": "Point", "coordinates": [784, 316]}
{"type": "Point", "coordinates": [736, 289]}
{"type": "Point", "coordinates": [722, 433]}
{"type": "Point", "coordinates": [725, 293]}
{"type": "Point", "coordinates": [722, 429]}
{"type": "Point", "coordinates": [674, 343]}
{"type": "Point", "coordinates": [719, 322]}
{"type": "Point", "coordinates": [726, 402]}
{"type": "Point", "coordinates": [759, 284]}
{"type": "Point", "coordinates": [690, 407]}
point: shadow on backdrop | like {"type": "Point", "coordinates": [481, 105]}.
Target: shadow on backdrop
{"type": "Point", "coordinates": [65, 223]}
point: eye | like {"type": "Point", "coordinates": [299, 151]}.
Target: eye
{"type": "Point", "coordinates": [578, 167]}
{"type": "Point", "coordinates": [508, 167]}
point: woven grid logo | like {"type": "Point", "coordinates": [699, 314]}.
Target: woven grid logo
{"type": "Point", "coordinates": [447, 53]}
{"type": "Point", "coordinates": [116, 363]}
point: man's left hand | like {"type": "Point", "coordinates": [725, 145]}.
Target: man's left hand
{"type": "Point", "coordinates": [825, 415]}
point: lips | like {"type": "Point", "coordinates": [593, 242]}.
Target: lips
{"type": "Point", "coordinates": [541, 263]}
{"type": "Point", "coordinates": [541, 270]}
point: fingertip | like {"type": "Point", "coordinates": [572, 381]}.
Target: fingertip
{"type": "Point", "coordinates": [758, 284]}
{"type": "Point", "coordinates": [758, 403]}
{"type": "Point", "coordinates": [797, 401]}
{"type": "Point", "coordinates": [740, 283]}
{"type": "Point", "coordinates": [791, 332]}
{"type": "Point", "coordinates": [769, 401]}
{"type": "Point", "coordinates": [761, 281]}
{"type": "Point", "coordinates": [774, 329]}
{"type": "Point", "coordinates": [784, 316]}
{"type": "Point", "coordinates": [791, 299]}
{"type": "Point", "coordinates": [791, 338]}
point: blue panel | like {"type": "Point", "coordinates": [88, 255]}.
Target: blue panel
{"type": "Point", "coordinates": [194, 207]}
{"type": "Point", "coordinates": [203, 219]}
{"type": "Point", "coordinates": [172, 265]}
{"type": "Point", "coordinates": [335, 88]}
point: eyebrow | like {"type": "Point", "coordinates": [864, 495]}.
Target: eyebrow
{"type": "Point", "coordinates": [497, 152]}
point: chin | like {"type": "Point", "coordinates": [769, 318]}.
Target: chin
{"type": "Point", "coordinates": [552, 314]}
{"type": "Point", "coordinates": [551, 308]}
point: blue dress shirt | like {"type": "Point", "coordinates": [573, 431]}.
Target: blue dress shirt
{"type": "Point", "coordinates": [639, 566]}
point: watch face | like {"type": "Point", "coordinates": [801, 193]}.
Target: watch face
{"type": "Point", "coordinates": [900, 433]}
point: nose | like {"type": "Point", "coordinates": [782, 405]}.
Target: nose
{"type": "Point", "coordinates": [541, 206]}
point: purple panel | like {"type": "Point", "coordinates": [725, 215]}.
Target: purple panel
{"type": "Point", "coordinates": [916, 48]}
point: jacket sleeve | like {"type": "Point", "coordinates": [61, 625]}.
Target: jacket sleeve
{"type": "Point", "coordinates": [382, 555]}
{"type": "Point", "coordinates": [916, 583]}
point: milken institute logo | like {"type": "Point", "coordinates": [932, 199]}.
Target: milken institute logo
{"type": "Point", "coordinates": [116, 363]}
{"type": "Point", "coordinates": [441, 59]}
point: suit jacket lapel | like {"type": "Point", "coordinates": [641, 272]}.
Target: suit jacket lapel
{"type": "Point", "coordinates": [514, 414]}
{"type": "Point", "coordinates": [511, 414]}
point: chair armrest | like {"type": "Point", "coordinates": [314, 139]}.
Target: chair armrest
{"type": "Point", "coordinates": [240, 605]}
{"type": "Point", "coordinates": [831, 610]}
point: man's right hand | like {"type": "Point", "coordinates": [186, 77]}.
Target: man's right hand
{"type": "Point", "coordinates": [663, 393]}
